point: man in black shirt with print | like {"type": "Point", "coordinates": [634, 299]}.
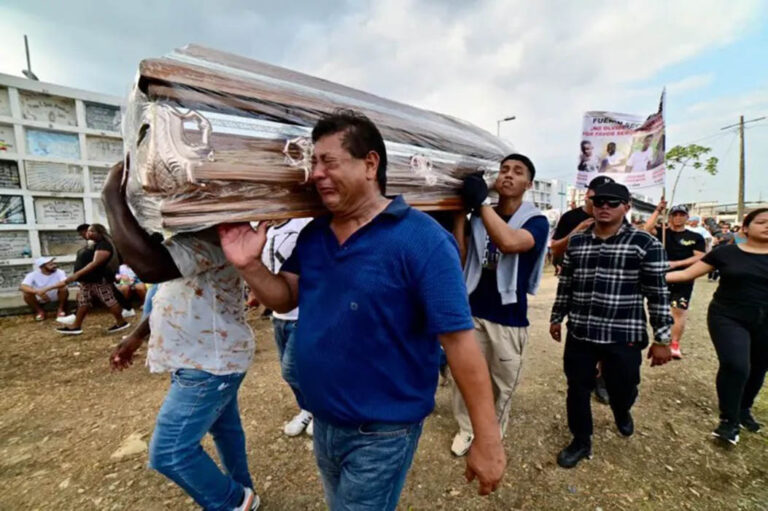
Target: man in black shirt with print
{"type": "Point", "coordinates": [684, 247]}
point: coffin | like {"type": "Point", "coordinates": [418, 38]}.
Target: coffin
{"type": "Point", "coordinates": [215, 137]}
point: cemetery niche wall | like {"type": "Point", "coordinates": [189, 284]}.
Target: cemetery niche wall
{"type": "Point", "coordinates": [56, 145]}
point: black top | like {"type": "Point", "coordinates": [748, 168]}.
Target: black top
{"type": "Point", "coordinates": [743, 276]}
{"type": "Point", "coordinates": [681, 244]}
{"type": "Point", "coordinates": [568, 222]}
{"type": "Point", "coordinates": [85, 257]}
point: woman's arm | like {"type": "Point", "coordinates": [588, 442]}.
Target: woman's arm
{"type": "Point", "coordinates": [691, 273]}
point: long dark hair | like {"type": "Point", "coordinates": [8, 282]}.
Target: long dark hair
{"type": "Point", "coordinates": [114, 261]}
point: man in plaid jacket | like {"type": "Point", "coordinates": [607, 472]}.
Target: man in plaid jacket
{"type": "Point", "coordinates": [607, 271]}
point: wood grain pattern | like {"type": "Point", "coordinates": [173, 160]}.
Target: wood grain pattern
{"type": "Point", "coordinates": [247, 177]}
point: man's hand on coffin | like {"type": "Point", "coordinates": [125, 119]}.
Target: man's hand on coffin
{"type": "Point", "coordinates": [474, 191]}
{"type": "Point", "coordinates": [241, 244]}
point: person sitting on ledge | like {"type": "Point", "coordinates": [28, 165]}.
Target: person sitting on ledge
{"type": "Point", "coordinates": [34, 285]}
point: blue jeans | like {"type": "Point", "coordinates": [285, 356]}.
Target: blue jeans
{"type": "Point", "coordinates": [197, 403]}
{"type": "Point", "coordinates": [285, 333]}
{"type": "Point", "coordinates": [364, 468]}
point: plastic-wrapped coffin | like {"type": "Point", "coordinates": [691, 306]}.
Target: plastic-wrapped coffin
{"type": "Point", "coordinates": [214, 138]}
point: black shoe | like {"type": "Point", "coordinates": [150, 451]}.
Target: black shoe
{"type": "Point", "coordinates": [576, 451]}
{"type": "Point", "coordinates": [727, 432]}
{"type": "Point", "coordinates": [117, 328]}
{"type": "Point", "coordinates": [625, 424]}
{"type": "Point", "coordinates": [749, 423]}
{"type": "Point", "coordinates": [601, 392]}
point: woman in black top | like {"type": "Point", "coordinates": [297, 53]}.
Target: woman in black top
{"type": "Point", "coordinates": [738, 322]}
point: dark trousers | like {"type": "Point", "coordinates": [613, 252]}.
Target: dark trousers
{"type": "Point", "coordinates": [621, 370]}
{"type": "Point", "coordinates": [742, 349]}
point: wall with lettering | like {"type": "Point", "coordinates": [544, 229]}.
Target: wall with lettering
{"type": "Point", "coordinates": [102, 117]}
{"type": "Point", "coordinates": [7, 139]}
{"type": "Point", "coordinates": [5, 104]}
{"type": "Point", "coordinates": [59, 211]}
{"type": "Point", "coordinates": [104, 148]}
{"type": "Point", "coordinates": [98, 176]}
{"type": "Point", "coordinates": [15, 244]}
{"type": "Point", "coordinates": [45, 108]}
{"type": "Point", "coordinates": [52, 144]}
{"type": "Point", "coordinates": [99, 215]}
{"type": "Point", "coordinates": [57, 243]}
{"type": "Point", "coordinates": [11, 277]}
{"type": "Point", "coordinates": [53, 177]}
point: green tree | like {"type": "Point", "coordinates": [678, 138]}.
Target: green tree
{"type": "Point", "coordinates": [681, 157]}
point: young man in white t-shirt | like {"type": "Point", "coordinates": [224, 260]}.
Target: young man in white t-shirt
{"type": "Point", "coordinates": [640, 161]}
{"type": "Point", "coordinates": [34, 285]}
{"type": "Point", "coordinates": [281, 240]}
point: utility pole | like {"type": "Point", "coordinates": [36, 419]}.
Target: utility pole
{"type": "Point", "coordinates": [740, 203]}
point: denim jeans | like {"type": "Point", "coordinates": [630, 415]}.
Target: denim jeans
{"type": "Point", "coordinates": [147, 310]}
{"type": "Point", "coordinates": [197, 403]}
{"type": "Point", "coordinates": [285, 333]}
{"type": "Point", "coordinates": [364, 468]}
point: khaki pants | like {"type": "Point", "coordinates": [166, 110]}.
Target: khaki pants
{"type": "Point", "coordinates": [503, 349]}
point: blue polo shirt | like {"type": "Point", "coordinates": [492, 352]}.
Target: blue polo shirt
{"type": "Point", "coordinates": [371, 310]}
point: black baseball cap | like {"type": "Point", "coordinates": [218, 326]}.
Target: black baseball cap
{"type": "Point", "coordinates": [598, 182]}
{"type": "Point", "coordinates": [678, 209]}
{"type": "Point", "coordinates": [612, 190]}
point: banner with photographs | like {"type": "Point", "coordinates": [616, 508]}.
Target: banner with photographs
{"type": "Point", "coordinates": [627, 148]}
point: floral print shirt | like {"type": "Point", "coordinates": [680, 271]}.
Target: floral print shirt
{"type": "Point", "coordinates": [198, 320]}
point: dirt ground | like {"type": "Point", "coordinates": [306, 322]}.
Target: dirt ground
{"type": "Point", "coordinates": [63, 414]}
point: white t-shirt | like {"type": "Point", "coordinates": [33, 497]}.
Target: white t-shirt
{"type": "Point", "coordinates": [639, 160]}
{"type": "Point", "coordinates": [281, 241]}
{"type": "Point", "coordinates": [38, 280]}
{"type": "Point", "coordinates": [702, 231]}
{"type": "Point", "coordinates": [198, 320]}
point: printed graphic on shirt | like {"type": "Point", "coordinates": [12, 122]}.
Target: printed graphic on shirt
{"type": "Point", "coordinates": [490, 254]}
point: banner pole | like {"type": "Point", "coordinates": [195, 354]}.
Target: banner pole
{"type": "Point", "coordinates": [664, 216]}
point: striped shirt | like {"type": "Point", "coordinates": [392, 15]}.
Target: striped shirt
{"type": "Point", "coordinates": [603, 283]}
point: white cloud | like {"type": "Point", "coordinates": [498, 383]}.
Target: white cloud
{"type": "Point", "coordinates": [545, 62]}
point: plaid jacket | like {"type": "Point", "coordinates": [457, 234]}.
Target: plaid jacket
{"type": "Point", "coordinates": [603, 283]}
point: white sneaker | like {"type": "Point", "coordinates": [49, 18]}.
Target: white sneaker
{"type": "Point", "coordinates": [129, 313]}
{"type": "Point", "coordinates": [461, 443]}
{"type": "Point", "coordinates": [251, 501]}
{"type": "Point", "coordinates": [66, 320]}
{"type": "Point", "coordinates": [298, 424]}
{"type": "Point", "coordinates": [310, 427]}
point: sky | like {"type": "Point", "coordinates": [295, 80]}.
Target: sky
{"type": "Point", "coordinates": [544, 62]}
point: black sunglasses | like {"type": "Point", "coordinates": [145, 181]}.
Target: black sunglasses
{"type": "Point", "coordinates": [612, 203]}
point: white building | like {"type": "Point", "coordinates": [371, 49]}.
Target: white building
{"type": "Point", "coordinates": [56, 144]}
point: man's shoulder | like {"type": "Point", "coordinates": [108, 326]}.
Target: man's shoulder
{"type": "Point", "coordinates": [573, 214]}
{"type": "Point", "coordinates": [424, 226]}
